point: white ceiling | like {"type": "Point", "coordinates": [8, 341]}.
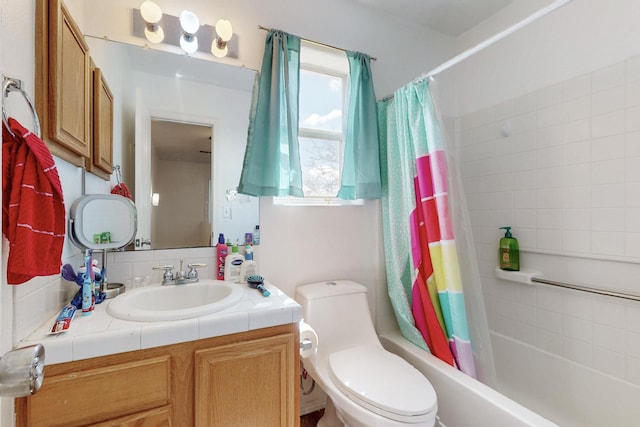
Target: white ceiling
{"type": "Point", "coordinates": [452, 17]}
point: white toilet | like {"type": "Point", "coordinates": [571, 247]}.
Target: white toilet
{"type": "Point", "coordinates": [367, 386]}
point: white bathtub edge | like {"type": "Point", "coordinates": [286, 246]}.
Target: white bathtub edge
{"type": "Point", "coordinates": [484, 407]}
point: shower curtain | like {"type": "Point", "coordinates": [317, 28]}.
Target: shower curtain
{"type": "Point", "coordinates": [424, 274]}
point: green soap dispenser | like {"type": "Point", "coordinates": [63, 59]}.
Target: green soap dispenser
{"type": "Point", "coordinates": [509, 252]}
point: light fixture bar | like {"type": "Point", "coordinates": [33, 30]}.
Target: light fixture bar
{"type": "Point", "coordinates": [173, 32]}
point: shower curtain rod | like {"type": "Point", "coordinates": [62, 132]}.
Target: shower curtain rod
{"type": "Point", "coordinates": [260, 27]}
{"type": "Point", "coordinates": [491, 40]}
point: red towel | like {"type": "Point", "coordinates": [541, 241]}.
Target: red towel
{"type": "Point", "coordinates": [33, 212]}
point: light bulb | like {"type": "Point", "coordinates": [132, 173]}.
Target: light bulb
{"type": "Point", "coordinates": [189, 46]}
{"type": "Point", "coordinates": [217, 51]}
{"type": "Point", "coordinates": [150, 12]}
{"type": "Point", "coordinates": [154, 36]}
{"type": "Point", "coordinates": [189, 22]}
{"type": "Point", "coordinates": [224, 30]}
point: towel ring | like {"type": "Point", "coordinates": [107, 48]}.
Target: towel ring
{"type": "Point", "coordinates": [15, 85]}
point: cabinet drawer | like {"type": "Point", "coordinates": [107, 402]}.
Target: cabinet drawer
{"type": "Point", "coordinates": [160, 417]}
{"type": "Point", "coordinates": [96, 395]}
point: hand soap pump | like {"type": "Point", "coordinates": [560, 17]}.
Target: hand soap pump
{"type": "Point", "coordinates": [509, 252]}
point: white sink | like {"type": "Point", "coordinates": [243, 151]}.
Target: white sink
{"type": "Point", "coordinates": [175, 302]}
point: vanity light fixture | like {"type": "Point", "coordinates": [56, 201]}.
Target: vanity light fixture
{"type": "Point", "coordinates": [151, 13]}
{"type": "Point", "coordinates": [190, 24]}
{"type": "Point", "coordinates": [224, 32]}
{"type": "Point", "coordinates": [185, 31]}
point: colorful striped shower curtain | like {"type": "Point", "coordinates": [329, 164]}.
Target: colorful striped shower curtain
{"type": "Point", "coordinates": [423, 271]}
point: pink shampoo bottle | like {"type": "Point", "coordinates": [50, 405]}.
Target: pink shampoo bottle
{"type": "Point", "coordinates": [221, 254]}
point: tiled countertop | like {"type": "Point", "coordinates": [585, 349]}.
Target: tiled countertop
{"type": "Point", "coordinates": [101, 334]}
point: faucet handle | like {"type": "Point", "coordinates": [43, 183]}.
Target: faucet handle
{"type": "Point", "coordinates": [193, 273]}
{"type": "Point", "coordinates": [168, 273]}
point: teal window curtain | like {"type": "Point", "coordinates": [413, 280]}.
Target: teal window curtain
{"type": "Point", "coordinates": [271, 164]}
{"type": "Point", "coordinates": [361, 161]}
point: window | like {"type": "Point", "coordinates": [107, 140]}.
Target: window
{"type": "Point", "coordinates": [323, 86]}
{"type": "Point", "coordinates": [320, 131]}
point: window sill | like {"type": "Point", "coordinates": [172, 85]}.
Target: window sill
{"type": "Point", "coordinates": [315, 201]}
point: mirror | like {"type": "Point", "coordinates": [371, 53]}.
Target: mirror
{"type": "Point", "coordinates": [152, 86]}
{"type": "Point", "coordinates": [173, 165]}
{"type": "Point", "coordinates": [102, 221]}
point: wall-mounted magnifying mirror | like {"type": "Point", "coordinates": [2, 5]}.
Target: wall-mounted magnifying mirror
{"type": "Point", "coordinates": [102, 221]}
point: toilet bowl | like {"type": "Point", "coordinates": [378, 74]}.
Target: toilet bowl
{"type": "Point", "coordinates": [366, 385]}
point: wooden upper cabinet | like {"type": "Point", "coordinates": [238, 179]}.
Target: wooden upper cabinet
{"type": "Point", "coordinates": [101, 163]}
{"type": "Point", "coordinates": [63, 82]}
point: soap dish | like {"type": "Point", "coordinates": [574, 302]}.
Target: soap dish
{"type": "Point", "coordinates": [114, 289]}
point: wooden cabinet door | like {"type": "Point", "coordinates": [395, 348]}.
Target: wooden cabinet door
{"type": "Point", "coordinates": [69, 82]}
{"type": "Point", "coordinates": [101, 162]}
{"type": "Point", "coordinates": [160, 417]}
{"type": "Point", "coordinates": [246, 384]}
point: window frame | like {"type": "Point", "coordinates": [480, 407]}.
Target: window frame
{"type": "Point", "coordinates": [325, 135]}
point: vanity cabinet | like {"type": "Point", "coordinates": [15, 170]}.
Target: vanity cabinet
{"type": "Point", "coordinates": [245, 379]}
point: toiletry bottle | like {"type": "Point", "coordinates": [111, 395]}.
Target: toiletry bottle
{"type": "Point", "coordinates": [248, 267]}
{"type": "Point", "coordinates": [509, 252]}
{"type": "Point", "coordinates": [256, 235]}
{"type": "Point", "coordinates": [221, 254]}
{"type": "Point", "coordinates": [232, 265]}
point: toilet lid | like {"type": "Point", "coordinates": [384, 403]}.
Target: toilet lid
{"type": "Point", "coordinates": [382, 382]}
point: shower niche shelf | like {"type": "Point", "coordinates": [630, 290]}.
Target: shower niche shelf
{"type": "Point", "coordinates": [522, 276]}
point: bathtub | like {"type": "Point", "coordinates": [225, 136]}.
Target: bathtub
{"type": "Point", "coordinates": [463, 401]}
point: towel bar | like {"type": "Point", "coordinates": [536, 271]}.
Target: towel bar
{"type": "Point", "coordinates": [586, 289]}
{"type": "Point", "coordinates": [15, 85]}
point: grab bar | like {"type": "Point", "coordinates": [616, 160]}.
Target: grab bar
{"type": "Point", "coordinates": [15, 85]}
{"type": "Point", "coordinates": [586, 289]}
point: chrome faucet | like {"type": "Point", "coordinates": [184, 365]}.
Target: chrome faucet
{"type": "Point", "coordinates": [167, 277]}
{"type": "Point", "coordinates": [181, 277]}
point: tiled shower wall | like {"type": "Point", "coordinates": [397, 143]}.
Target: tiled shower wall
{"type": "Point", "coordinates": [562, 167]}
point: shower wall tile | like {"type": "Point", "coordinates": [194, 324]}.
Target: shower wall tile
{"type": "Point", "coordinates": [608, 77]}
{"type": "Point", "coordinates": [608, 148]}
{"type": "Point", "coordinates": [576, 241]}
{"type": "Point", "coordinates": [546, 137]}
{"type": "Point", "coordinates": [608, 124]}
{"type": "Point", "coordinates": [608, 101]}
{"type": "Point", "coordinates": [526, 333]}
{"type": "Point", "coordinates": [576, 109]}
{"type": "Point", "coordinates": [548, 96]}
{"type": "Point", "coordinates": [609, 362]}
{"type": "Point", "coordinates": [632, 95]}
{"type": "Point", "coordinates": [577, 130]}
{"type": "Point", "coordinates": [632, 118]}
{"type": "Point", "coordinates": [577, 350]}
{"type": "Point", "coordinates": [632, 144]}
{"type": "Point", "coordinates": [550, 342]}
{"type": "Point", "coordinates": [576, 87]}
{"type": "Point", "coordinates": [633, 69]}
{"type": "Point", "coordinates": [562, 166]}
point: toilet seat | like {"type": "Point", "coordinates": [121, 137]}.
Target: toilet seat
{"type": "Point", "coordinates": [383, 383]}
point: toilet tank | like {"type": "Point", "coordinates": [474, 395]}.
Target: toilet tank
{"type": "Point", "coordinates": [339, 314]}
